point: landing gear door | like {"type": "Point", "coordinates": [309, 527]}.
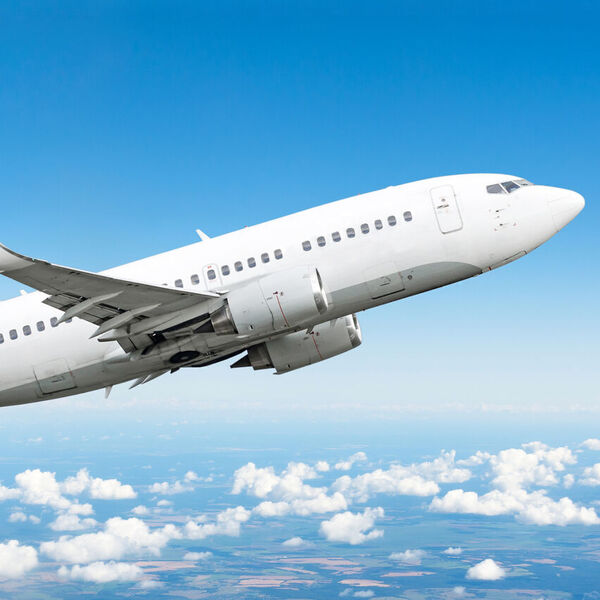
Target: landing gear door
{"type": "Point", "coordinates": [446, 209]}
{"type": "Point", "coordinates": [212, 276]}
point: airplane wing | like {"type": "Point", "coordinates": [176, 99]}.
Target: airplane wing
{"type": "Point", "coordinates": [109, 302]}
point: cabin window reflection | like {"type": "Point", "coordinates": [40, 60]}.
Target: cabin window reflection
{"type": "Point", "coordinates": [264, 257]}
{"type": "Point", "coordinates": [54, 321]}
{"type": "Point", "coordinates": [26, 330]}
{"type": "Point", "coordinates": [251, 262]}
{"type": "Point", "coordinates": [178, 283]}
{"type": "Point", "coordinates": [195, 279]}
{"type": "Point", "coordinates": [320, 241]}
{"type": "Point", "coordinates": [364, 228]}
{"type": "Point", "coordinates": [335, 236]}
{"type": "Point", "coordinates": [378, 224]}
{"type": "Point", "coordinates": [391, 220]}
{"type": "Point", "coordinates": [40, 326]}
{"type": "Point", "coordinates": [238, 266]}
{"type": "Point", "coordinates": [211, 274]}
{"type": "Point", "coordinates": [350, 232]}
{"type": "Point", "coordinates": [278, 254]}
{"type": "Point", "coordinates": [407, 216]}
{"type": "Point", "coordinates": [13, 334]}
{"type": "Point", "coordinates": [1, 339]}
{"type": "Point", "coordinates": [225, 270]}
{"type": "Point", "coordinates": [306, 246]}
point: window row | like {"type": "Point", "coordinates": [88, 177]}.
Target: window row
{"type": "Point", "coordinates": [336, 236]}
{"type": "Point", "coordinates": [40, 326]}
{"type": "Point", "coordinates": [211, 274]}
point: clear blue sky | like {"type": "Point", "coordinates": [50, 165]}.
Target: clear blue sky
{"type": "Point", "coordinates": [124, 126]}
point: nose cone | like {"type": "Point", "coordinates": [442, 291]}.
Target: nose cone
{"type": "Point", "coordinates": [565, 207]}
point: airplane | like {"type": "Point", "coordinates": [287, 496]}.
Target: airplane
{"type": "Point", "coordinates": [284, 293]}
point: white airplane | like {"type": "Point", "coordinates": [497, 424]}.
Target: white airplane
{"type": "Point", "coordinates": [284, 292]}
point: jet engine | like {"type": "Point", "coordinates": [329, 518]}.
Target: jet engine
{"type": "Point", "coordinates": [278, 301]}
{"type": "Point", "coordinates": [303, 348]}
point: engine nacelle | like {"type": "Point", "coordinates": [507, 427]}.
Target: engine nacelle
{"type": "Point", "coordinates": [278, 301]}
{"type": "Point", "coordinates": [302, 348]}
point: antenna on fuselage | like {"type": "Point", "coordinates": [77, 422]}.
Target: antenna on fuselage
{"type": "Point", "coordinates": [202, 235]}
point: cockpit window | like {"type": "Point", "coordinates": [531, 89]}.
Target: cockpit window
{"type": "Point", "coordinates": [495, 189]}
{"type": "Point", "coordinates": [510, 186]}
{"type": "Point", "coordinates": [523, 182]}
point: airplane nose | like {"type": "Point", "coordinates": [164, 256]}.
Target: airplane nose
{"type": "Point", "coordinates": [565, 207]}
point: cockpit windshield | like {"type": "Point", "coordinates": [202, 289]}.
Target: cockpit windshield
{"type": "Point", "coordinates": [507, 187]}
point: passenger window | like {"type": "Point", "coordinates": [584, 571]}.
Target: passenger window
{"type": "Point", "coordinates": [251, 262]}
{"type": "Point", "coordinates": [26, 330]}
{"type": "Point", "coordinates": [306, 246]}
{"type": "Point", "coordinates": [40, 326]}
{"type": "Point", "coordinates": [321, 241]}
{"type": "Point", "coordinates": [391, 220]}
{"type": "Point", "coordinates": [278, 254]}
{"type": "Point", "coordinates": [1, 339]}
{"type": "Point", "coordinates": [407, 216]}
{"type": "Point", "coordinates": [335, 236]}
{"type": "Point", "coordinates": [211, 274]}
{"type": "Point", "coordinates": [364, 228]}
{"type": "Point", "coordinates": [378, 224]}
{"type": "Point", "coordinates": [13, 334]}
{"type": "Point", "coordinates": [238, 266]}
{"type": "Point", "coordinates": [510, 186]}
{"type": "Point", "coordinates": [264, 257]}
{"type": "Point", "coordinates": [495, 189]}
{"type": "Point", "coordinates": [54, 321]}
{"type": "Point", "coordinates": [195, 279]}
{"type": "Point", "coordinates": [178, 283]}
{"type": "Point", "coordinates": [350, 232]}
{"type": "Point", "coordinates": [225, 269]}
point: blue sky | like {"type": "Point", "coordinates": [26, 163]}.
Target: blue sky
{"type": "Point", "coordinates": [126, 126]}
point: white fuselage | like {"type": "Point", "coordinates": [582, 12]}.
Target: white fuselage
{"type": "Point", "coordinates": [407, 239]}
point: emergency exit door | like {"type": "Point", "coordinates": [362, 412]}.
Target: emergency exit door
{"type": "Point", "coordinates": [446, 209]}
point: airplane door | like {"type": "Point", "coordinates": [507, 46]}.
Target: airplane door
{"type": "Point", "coordinates": [212, 276]}
{"type": "Point", "coordinates": [446, 209]}
{"type": "Point", "coordinates": [54, 376]}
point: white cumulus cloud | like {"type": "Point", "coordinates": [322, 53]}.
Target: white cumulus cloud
{"type": "Point", "coordinates": [591, 444]}
{"type": "Point", "coordinates": [16, 560]}
{"type": "Point", "coordinates": [346, 465]}
{"type": "Point", "coordinates": [591, 475]}
{"type": "Point", "coordinates": [197, 556]}
{"type": "Point", "coordinates": [102, 572]}
{"type": "Point", "coordinates": [228, 522]}
{"type": "Point", "coordinates": [453, 551]}
{"type": "Point", "coordinates": [352, 528]}
{"type": "Point", "coordinates": [409, 557]}
{"type": "Point", "coordinates": [296, 542]}
{"type": "Point", "coordinates": [486, 570]}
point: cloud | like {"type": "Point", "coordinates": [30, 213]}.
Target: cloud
{"type": "Point", "coordinates": [568, 480]}
{"type": "Point", "coordinates": [169, 489]}
{"type": "Point", "coordinates": [69, 522]}
{"type": "Point", "coordinates": [346, 465]}
{"type": "Point", "coordinates": [8, 493]}
{"type": "Point", "coordinates": [352, 528]}
{"type": "Point", "coordinates": [102, 572]}
{"type": "Point", "coordinates": [535, 507]}
{"type": "Point", "coordinates": [228, 522]}
{"type": "Point", "coordinates": [409, 557]}
{"type": "Point", "coordinates": [265, 483]}
{"type": "Point", "coordinates": [591, 475]}
{"type": "Point", "coordinates": [458, 591]}
{"type": "Point", "coordinates": [322, 466]}
{"type": "Point", "coordinates": [197, 556]}
{"type": "Point", "coordinates": [396, 480]}
{"type": "Point", "coordinates": [486, 570]}
{"type": "Point", "coordinates": [591, 444]}
{"type": "Point", "coordinates": [453, 551]}
{"type": "Point", "coordinates": [296, 542]}
{"type": "Point", "coordinates": [16, 560]}
{"type": "Point", "coordinates": [140, 510]}
{"type": "Point", "coordinates": [120, 537]}
{"type": "Point", "coordinates": [102, 489]}
{"type": "Point", "coordinates": [364, 594]}
{"type": "Point", "coordinates": [533, 464]}
{"type": "Point", "coordinates": [17, 517]}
